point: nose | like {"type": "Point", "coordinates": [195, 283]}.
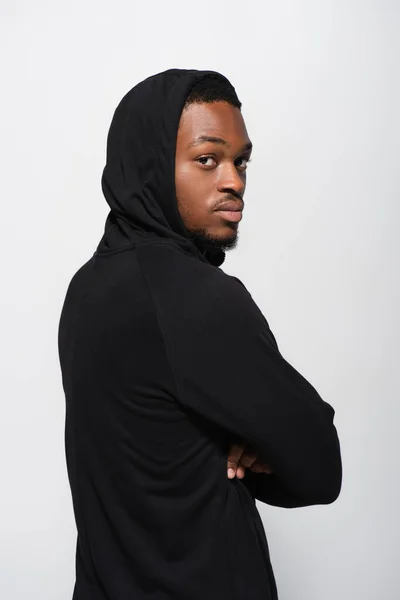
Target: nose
{"type": "Point", "coordinates": [231, 180]}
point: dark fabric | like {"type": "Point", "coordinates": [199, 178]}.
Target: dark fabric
{"type": "Point", "coordinates": [166, 360]}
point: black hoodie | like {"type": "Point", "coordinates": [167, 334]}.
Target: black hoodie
{"type": "Point", "coordinates": [166, 360]}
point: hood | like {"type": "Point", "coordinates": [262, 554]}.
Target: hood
{"type": "Point", "coordinates": [138, 180]}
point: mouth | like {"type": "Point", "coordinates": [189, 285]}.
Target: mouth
{"type": "Point", "coordinates": [234, 216]}
{"type": "Point", "coordinates": [231, 210]}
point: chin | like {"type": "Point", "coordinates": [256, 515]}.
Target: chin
{"type": "Point", "coordinates": [228, 242]}
{"type": "Point", "coordinates": [225, 240]}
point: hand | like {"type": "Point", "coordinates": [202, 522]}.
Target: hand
{"type": "Point", "coordinates": [242, 456]}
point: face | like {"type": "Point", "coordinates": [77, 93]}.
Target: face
{"type": "Point", "coordinates": [212, 152]}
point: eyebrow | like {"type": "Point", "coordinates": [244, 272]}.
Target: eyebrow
{"type": "Point", "coordinates": [201, 139]}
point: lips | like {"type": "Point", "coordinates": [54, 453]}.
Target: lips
{"type": "Point", "coordinates": [231, 215]}
{"type": "Point", "coordinates": [231, 206]}
{"type": "Point", "coordinates": [231, 211]}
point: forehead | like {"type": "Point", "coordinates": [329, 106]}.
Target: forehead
{"type": "Point", "coordinates": [219, 119]}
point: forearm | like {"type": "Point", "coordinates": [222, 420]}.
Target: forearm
{"type": "Point", "coordinates": [268, 489]}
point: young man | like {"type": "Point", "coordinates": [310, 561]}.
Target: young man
{"type": "Point", "coordinates": [170, 370]}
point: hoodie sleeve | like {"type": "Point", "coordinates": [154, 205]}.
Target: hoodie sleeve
{"type": "Point", "coordinates": [228, 368]}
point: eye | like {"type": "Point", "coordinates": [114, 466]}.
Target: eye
{"type": "Point", "coordinates": [245, 160]}
{"type": "Point", "coordinates": [205, 159]}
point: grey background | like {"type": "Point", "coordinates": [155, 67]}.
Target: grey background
{"type": "Point", "coordinates": [318, 250]}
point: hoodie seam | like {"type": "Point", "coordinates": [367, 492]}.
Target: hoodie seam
{"type": "Point", "coordinates": [164, 339]}
{"type": "Point", "coordinates": [177, 388]}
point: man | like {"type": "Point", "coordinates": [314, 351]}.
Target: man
{"type": "Point", "coordinates": [171, 372]}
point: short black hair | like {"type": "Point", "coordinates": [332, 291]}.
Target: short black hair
{"type": "Point", "coordinates": [212, 88]}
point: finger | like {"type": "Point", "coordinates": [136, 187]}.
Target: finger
{"type": "Point", "coordinates": [260, 467]}
{"type": "Point", "coordinates": [257, 468]}
{"type": "Point", "coordinates": [240, 473]}
{"type": "Point", "coordinates": [233, 459]}
{"type": "Point", "coordinates": [248, 458]}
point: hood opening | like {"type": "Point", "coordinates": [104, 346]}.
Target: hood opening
{"type": "Point", "coordinates": [138, 180]}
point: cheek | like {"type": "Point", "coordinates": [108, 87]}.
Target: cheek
{"type": "Point", "coordinates": [193, 189]}
{"type": "Point", "coordinates": [182, 180]}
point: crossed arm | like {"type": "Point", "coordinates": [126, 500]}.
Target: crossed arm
{"type": "Point", "coordinates": [228, 369]}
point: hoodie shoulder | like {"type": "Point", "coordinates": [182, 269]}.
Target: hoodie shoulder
{"type": "Point", "coordinates": [189, 295]}
{"type": "Point", "coordinates": [185, 279]}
